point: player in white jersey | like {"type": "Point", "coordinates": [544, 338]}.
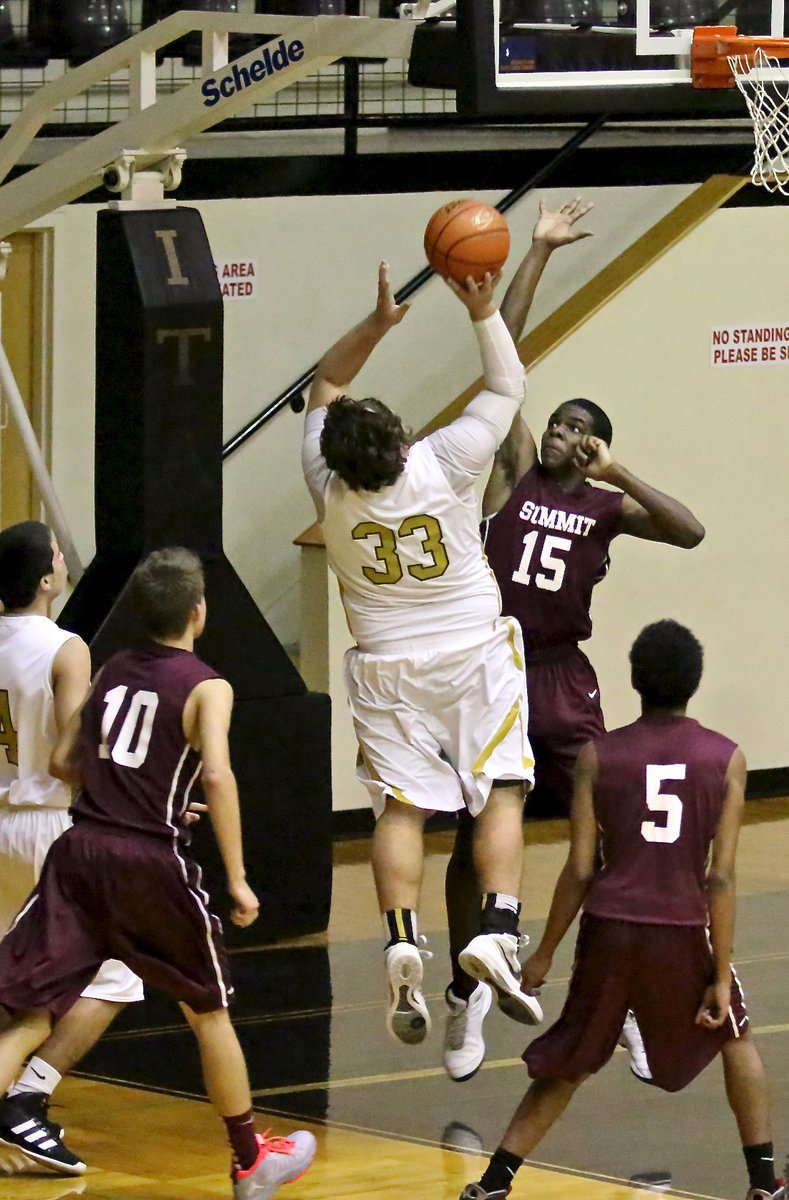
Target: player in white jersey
{"type": "Point", "coordinates": [436, 681]}
{"type": "Point", "coordinates": [44, 677]}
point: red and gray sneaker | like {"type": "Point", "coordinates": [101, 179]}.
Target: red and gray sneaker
{"type": "Point", "coordinates": [37, 1141]}
{"type": "Point", "coordinates": [280, 1160]}
{"type": "Point", "coordinates": [758, 1194]}
{"type": "Point", "coordinates": [475, 1191]}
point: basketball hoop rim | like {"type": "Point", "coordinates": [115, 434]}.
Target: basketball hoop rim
{"type": "Point", "coordinates": [758, 67]}
{"type": "Point", "coordinates": [721, 58]}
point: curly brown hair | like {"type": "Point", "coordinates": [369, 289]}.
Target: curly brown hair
{"type": "Point", "coordinates": [362, 440]}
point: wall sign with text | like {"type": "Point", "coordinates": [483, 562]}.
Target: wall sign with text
{"type": "Point", "coordinates": [237, 278]}
{"type": "Point", "coordinates": [749, 345]}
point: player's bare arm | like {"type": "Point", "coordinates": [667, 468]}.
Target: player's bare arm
{"type": "Point", "coordinates": [646, 512]}
{"type": "Point", "coordinates": [64, 759]}
{"type": "Point", "coordinates": [721, 893]}
{"type": "Point", "coordinates": [576, 877]}
{"type": "Point", "coordinates": [342, 363]}
{"type": "Point", "coordinates": [516, 455]}
{"type": "Point", "coordinates": [206, 726]}
{"type": "Point", "coordinates": [70, 680]}
{"type": "Point", "coordinates": [554, 228]}
{"type": "Point", "coordinates": [70, 690]}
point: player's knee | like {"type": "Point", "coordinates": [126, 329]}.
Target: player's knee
{"type": "Point", "coordinates": [204, 1020]}
{"type": "Point", "coordinates": [397, 812]}
{"type": "Point", "coordinates": [36, 1022]}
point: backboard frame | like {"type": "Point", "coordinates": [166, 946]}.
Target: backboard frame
{"type": "Point", "coordinates": [659, 95]}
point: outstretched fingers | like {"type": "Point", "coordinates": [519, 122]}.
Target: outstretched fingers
{"type": "Point", "coordinates": [474, 287]}
{"type": "Point", "coordinates": [575, 210]}
{"type": "Point", "coordinates": [384, 286]}
{"type": "Point", "coordinates": [387, 309]}
{"type": "Point", "coordinates": [557, 227]}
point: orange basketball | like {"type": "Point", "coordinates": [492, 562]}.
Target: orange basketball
{"type": "Point", "coordinates": [467, 237]}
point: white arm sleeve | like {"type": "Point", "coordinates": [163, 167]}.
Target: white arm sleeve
{"type": "Point", "coordinates": [502, 368]}
{"type": "Point", "coordinates": [464, 448]}
{"type": "Point", "coordinates": [316, 473]}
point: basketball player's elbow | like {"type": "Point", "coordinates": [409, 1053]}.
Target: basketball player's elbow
{"type": "Point", "coordinates": [688, 532]}
{"type": "Point", "coordinates": [63, 767]}
{"type": "Point", "coordinates": [216, 781]}
{"type": "Point", "coordinates": [579, 870]}
{"type": "Point", "coordinates": [719, 881]}
{"type": "Point", "coordinates": [693, 536]}
{"type": "Point", "coordinates": [582, 880]}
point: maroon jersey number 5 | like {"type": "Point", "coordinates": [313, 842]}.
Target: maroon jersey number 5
{"type": "Point", "coordinates": [663, 802]}
{"type": "Point", "coordinates": [658, 795]}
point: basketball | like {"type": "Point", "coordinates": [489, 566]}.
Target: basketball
{"type": "Point", "coordinates": [467, 237]}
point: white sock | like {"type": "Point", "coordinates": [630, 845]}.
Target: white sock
{"type": "Point", "coordinates": [37, 1076]}
{"type": "Point", "coordinates": [504, 901]}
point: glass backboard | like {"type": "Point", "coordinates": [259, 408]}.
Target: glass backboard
{"type": "Point", "coordinates": [563, 59]}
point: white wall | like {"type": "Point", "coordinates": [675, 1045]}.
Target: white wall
{"type": "Point", "coordinates": [712, 437]}
{"type": "Point", "coordinates": [317, 259]}
{"type": "Point", "coordinates": [715, 438]}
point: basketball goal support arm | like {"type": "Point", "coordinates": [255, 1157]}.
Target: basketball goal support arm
{"type": "Point", "coordinates": [301, 46]}
{"type": "Point", "coordinates": [55, 514]}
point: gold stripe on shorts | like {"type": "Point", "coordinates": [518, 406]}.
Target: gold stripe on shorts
{"type": "Point", "coordinates": [498, 736]}
{"type": "Point", "coordinates": [516, 655]}
{"type": "Point", "coordinates": [395, 791]}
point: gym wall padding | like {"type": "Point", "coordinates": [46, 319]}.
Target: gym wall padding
{"type": "Point", "coordinates": [158, 482]}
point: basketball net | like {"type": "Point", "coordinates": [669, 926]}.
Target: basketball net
{"type": "Point", "coordinates": [765, 85]}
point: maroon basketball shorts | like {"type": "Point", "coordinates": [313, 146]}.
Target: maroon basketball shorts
{"type": "Point", "coordinates": [104, 894]}
{"type": "Point", "coordinates": [564, 714]}
{"type": "Point", "coordinates": [660, 972]}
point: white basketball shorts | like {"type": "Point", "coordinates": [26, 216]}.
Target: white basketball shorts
{"type": "Point", "coordinates": [25, 837]}
{"type": "Point", "coordinates": [436, 726]}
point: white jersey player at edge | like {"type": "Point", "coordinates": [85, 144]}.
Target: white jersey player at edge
{"type": "Point", "coordinates": [436, 680]}
{"type": "Point", "coordinates": [44, 677]}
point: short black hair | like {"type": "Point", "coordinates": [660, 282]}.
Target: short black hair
{"type": "Point", "coordinates": [666, 662]}
{"type": "Point", "coordinates": [25, 558]}
{"type": "Point", "coordinates": [362, 440]}
{"type": "Point", "coordinates": [165, 588]}
{"type": "Point", "coordinates": [601, 424]}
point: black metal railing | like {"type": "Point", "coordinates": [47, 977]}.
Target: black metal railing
{"type": "Point", "coordinates": [293, 394]}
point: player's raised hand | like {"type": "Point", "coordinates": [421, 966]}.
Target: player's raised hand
{"type": "Point", "coordinates": [245, 904]}
{"type": "Point", "coordinates": [476, 295]}
{"type": "Point", "coordinates": [593, 457]}
{"type": "Point", "coordinates": [557, 227]}
{"type": "Point", "coordinates": [714, 1008]}
{"type": "Point", "coordinates": [387, 312]}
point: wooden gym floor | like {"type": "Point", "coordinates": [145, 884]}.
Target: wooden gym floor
{"type": "Point", "coordinates": [390, 1125]}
